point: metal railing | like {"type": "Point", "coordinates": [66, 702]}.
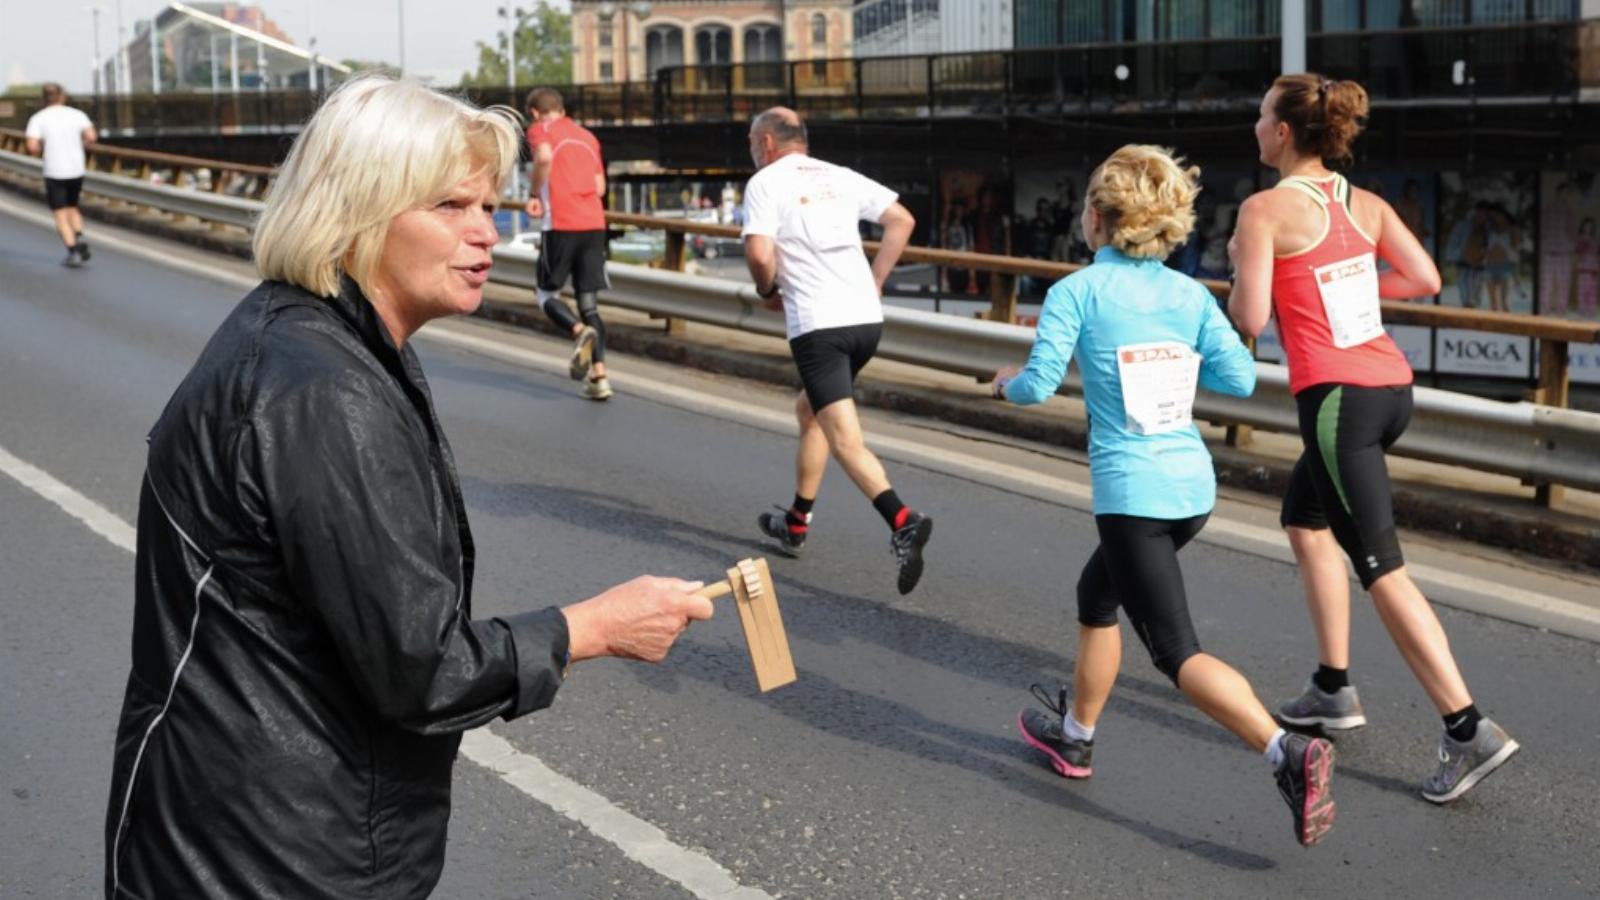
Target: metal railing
{"type": "Point", "coordinates": [1539, 442]}
{"type": "Point", "coordinates": [233, 179]}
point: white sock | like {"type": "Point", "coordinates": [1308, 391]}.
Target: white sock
{"type": "Point", "coordinates": [1073, 730]}
{"type": "Point", "coordinates": [1274, 751]}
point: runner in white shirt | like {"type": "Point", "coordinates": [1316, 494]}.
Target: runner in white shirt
{"type": "Point", "coordinates": [803, 245]}
{"type": "Point", "coordinates": [59, 133]}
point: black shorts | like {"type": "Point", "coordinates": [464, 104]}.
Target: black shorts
{"type": "Point", "coordinates": [1136, 567]}
{"type": "Point", "coordinates": [1341, 480]}
{"type": "Point", "coordinates": [62, 193]}
{"type": "Point", "coordinates": [580, 254]}
{"type": "Point", "coordinates": [830, 358]}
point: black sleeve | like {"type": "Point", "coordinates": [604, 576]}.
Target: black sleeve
{"type": "Point", "coordinates": [353, 504]}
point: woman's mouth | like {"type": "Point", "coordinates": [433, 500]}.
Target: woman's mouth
{"type": "Point", "coordinates": [475, 275]}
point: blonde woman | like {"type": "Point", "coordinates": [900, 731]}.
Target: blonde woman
{"type": "Point", "coordinates": [1145, 336]}
{"type": "Point", "coordinates": [304, 653]}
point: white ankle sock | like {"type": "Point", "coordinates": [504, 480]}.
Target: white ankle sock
{"type": "Point", "coordinates": [1274, 751]}
{"type": "Point", "coordinates": [1073, 730]}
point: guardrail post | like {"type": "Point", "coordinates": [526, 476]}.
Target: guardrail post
{"type": "Point", "coordinates": [1002, 297]}
{"type": "Point", "coordinates": [676, 247]}
{"type": "Point", "coordinates": [1552, 391]}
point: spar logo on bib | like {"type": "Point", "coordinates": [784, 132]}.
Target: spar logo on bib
{"type": "Point", "coordinates": [1154, 353]}
{"type": "Point", "coordinates": [1340, 271]}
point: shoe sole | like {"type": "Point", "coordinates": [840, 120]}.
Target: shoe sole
{"type": "Point", "coordinates": [1061, 766]}
{"type": "Point", "coordinates": [1483, 771]}
{"type": "Point", "coordinates": [1316, 814]}
{"type": "Point", "coordinates": [598, 398]}
{"type": "Point", "coordinates": [911, 572]}
{"type": "Point", "coordinates": [582, 356]}
{"type": "Point", "coordinates": [1332, 723]}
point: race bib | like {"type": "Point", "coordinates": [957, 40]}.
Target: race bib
{"type": "Point", "coordinates": [1158, 384]}
{"type": "Point", "coordinates": [828, 221]}
{"type": "Point", "coordinates": [1349, 290]}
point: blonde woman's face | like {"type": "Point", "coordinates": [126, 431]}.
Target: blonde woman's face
{"type": "Point", "coordinates": [436, 259]}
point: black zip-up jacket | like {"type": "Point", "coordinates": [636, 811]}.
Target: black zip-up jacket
{"type": "Point", "coordinates": [304, 655]}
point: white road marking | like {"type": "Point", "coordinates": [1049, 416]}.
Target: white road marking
{"type": "Point", "coordinates": [1466, 592]}
{"type": "Point", "coordinates": [639, 840]}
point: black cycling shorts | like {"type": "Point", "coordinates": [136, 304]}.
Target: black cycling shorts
{"type": "Point", "coordinates": [1136, 567]}
{"type": "Point", "coordinates": [830, 358]}
{"type": "Point", "coordinates": [1341, 480]}
{"type": "Point", "coordinates": [62, 193]}
{"type": "Point", "coordinates": [578, 254]}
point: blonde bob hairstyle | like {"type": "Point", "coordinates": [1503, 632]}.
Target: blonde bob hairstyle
{"type": "Point", "coordinates": [375, 149]}
{"type": "Point", "coordinates": [1146, 197]}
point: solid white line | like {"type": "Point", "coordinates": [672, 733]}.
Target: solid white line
{"type": "Point", "coordinates": [100, 520]}
{"type": "Point", "coordinates": [640, 841]}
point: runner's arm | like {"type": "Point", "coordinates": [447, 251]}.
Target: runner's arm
{"type": "Point", "coordinates": [1053, 343]}
{"type": "Point", "coordinates": [1226, 366]}
{"type": "Point", "coordinates": [761, 256]}
{"type": "Point", "coordinates": [897, 222]}
{"type": "Point", "coordinates": [1411, 271]}
{"type": "Point", "coordinates": [35, 147]}
{"type": "Point", "coordinates": [90, 136]}
{"type": "Point", "coordinates": [1250, 251]}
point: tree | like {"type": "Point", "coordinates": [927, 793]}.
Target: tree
{"type": "Point", "coordinates": [544, 50]}
{"type": "Point", "coordinates": [362, 66]}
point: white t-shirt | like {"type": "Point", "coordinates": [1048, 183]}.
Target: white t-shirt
{"type": "Point", "coordinates": [61, 129]}
{"type": "Point", "coordinates": [811, 210]}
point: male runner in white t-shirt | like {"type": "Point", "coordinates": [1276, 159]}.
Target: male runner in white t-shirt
{"type": "Point", "coordinates": [803, 245]}
{"type": "Point", "coordinates": [59, 133]}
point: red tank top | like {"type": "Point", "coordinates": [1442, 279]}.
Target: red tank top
{"type": "Point", "coordinates": [1311, 287]}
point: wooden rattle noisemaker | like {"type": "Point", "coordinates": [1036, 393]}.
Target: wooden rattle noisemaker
{"type": "Point", "coordinates": [750, 582]}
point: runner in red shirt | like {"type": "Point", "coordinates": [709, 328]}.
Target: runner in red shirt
{"type": "Point", "coordinates": [569, 180]}
{"type": "Point", "coordinates": [1308, 250]}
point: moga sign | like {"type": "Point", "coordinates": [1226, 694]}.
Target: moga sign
{"type": "Point", "coordinates": [1475, 353]}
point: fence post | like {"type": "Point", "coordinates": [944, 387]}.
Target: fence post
{"type": "Point", "coordinates": [1002, 297]}
{"type": "Point", "coordinates": [676, 247]}
{"type": "Point", "coordinates": [1552, 391]}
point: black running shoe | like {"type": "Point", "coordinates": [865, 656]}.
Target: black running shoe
{"type": "Point", "coordinates": [1303, 780]}
{"type": "Point", "coordinates": [776, 526]}
{"type": "Point", "coordinates": [907, 543]}
{"type": "Point", "coordinates": [1042, 731]}
{"type": "Point", "coordinates": [73, 260]}
{"type": "Point", "coordinates": [83, 249]}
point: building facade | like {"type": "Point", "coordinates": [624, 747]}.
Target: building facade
{"type": "Point", "coordinates": [900, 27]}
{"type": "Point", "coordinates": [631, 40]}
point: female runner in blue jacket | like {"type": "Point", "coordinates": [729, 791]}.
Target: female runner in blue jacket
{"type": "Point", "coordinates": [1144, 336]}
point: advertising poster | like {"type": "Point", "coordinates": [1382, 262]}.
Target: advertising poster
{"type": "Point", "coordinates": [1487, 260]}
{"type": "Point", "coordinates": [974, 217]}
{"type": "Point", "coordinates": [1569, 259]}
{"type": "Point", "coordinates": [1049, 204]}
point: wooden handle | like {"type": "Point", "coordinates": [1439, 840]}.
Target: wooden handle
{"type": "Point", "coordinates": [713, 591]}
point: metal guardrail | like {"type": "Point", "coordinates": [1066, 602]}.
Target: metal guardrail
{"type": "Point", "coordinates": [237, 179]}
{"type": "Point", "coordinates": [1535, 442]}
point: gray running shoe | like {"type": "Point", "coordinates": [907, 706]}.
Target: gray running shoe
{"type": "Point", "coordinates": [1463, 765]}
{"type": "Point", "coordinates": [582, 352]}
{"type": "Point", "coordinates": [1338, 711]}
{"type": "Point", "coordinates": [598, 389]}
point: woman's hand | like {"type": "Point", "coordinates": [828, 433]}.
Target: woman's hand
{"type": "Point", "coordinates": [1002, 378]}
{"type": "Point", "coordinates": [637, 620]}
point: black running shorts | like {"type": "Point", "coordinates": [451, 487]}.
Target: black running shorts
{"type": "Point", "coordinates": [578, 254]}
{"type": "Point", "coordinates": [62, 193]}
{"type": "Point", "coordinates": [830, 358]}
{"type": "Point", "coordinates": [1136, 567]}
{"type": "Point", "coordinates": [1341, 480]}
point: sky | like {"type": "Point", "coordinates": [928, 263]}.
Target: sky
{"type": "Point", "coordinates": [54, 40]}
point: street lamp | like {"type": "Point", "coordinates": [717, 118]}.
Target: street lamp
{"type": "Point", "coordinates": [513, 18]}
{"type": "Point", "coordinates": [94, 13]}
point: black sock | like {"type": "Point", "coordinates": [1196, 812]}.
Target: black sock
{"type": "Point", "coordinates": [1328, 679]}
{"type": "Point", "coordinates": [889, 506]}
{"type": "Point", "coordinates": [800, 511]}
{"type": "Point", "coordinates": [1462, 725]}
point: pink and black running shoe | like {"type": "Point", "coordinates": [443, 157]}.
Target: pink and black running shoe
{"type": "Point", "coordinates": [1303, 780]}
{"type": "Point", "coordinates": [1042, 731]}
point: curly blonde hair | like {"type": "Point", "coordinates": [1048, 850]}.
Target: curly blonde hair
{"type": "Point", "coordinates": [1146, 197]}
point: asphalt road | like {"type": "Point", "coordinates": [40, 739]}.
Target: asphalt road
{"type": "Point", "coordinates": [891, 769]}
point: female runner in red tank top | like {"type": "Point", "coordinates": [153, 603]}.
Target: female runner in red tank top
{"type": "Point", "coordinates": [1307, 251]}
